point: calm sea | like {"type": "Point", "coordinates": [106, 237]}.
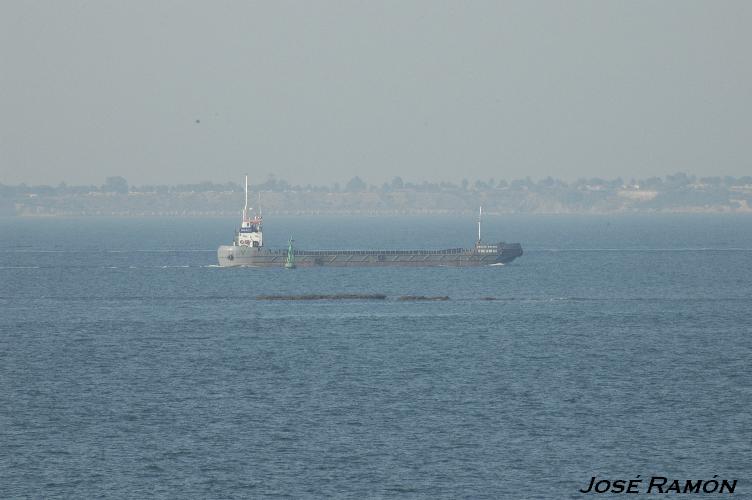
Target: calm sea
{"type": "Point", "coordinates": [132, 367]}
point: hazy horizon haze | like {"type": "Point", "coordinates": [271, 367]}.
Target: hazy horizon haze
{"type": "Point", "coordinates": [180, 92]}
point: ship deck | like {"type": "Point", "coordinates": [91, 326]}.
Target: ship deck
{"type": "Point", "coordinates": [448, 251]}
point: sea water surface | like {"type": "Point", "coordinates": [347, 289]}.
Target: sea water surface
{"type": "Point", "coordinates": [132, 367]}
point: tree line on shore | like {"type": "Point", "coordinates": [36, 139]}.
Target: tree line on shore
{"type": "Point", "coordinates": [120, 185]}
{"type": "Point", "coordinates": [678, 193]}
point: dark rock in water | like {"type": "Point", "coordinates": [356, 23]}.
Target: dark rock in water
{"type": "Point", "coordinates": [422, 297]}
{"type": "Point", "coordinates": [338, 296]}
{"type": "Point", "coordinates": [488, 298]}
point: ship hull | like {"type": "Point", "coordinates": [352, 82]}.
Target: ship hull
{"type": "Point", "coordinates": [237, 255]}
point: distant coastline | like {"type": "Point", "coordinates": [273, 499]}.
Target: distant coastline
{"type": "Point", "coordinates": [679, 193]}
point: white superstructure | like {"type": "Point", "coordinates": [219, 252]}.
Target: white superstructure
{"type": "Point", "coordinates": [250, 233]}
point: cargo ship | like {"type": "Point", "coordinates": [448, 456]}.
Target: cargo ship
{"type": "Point", "coordinates": [248, 249]}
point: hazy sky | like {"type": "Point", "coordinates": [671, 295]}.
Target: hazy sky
{"type": "Point", "coordinates": [320, 91]}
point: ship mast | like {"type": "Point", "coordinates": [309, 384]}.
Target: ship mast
{"type": "Point", "coordinates": [245, 210]}
{"type": "Point", "coordinates": [480, 214]}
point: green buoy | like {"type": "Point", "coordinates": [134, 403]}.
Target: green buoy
{"type": "Point", "coordinates": [290, 261]}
